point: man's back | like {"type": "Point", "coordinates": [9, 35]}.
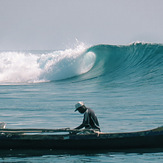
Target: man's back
{"type": "Point", "coordinates": [90, 119]}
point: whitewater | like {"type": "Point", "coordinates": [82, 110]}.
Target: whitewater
{"type": "Point", "coordinates": [25, 67]}
{"type": "Point", "coordinates": [123, 84]}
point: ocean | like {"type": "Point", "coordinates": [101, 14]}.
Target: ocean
{"type": "Point", "coordinates": [123, 84]}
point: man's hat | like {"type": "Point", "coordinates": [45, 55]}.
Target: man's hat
{"type": "Point", "coordinates": [78, 105]}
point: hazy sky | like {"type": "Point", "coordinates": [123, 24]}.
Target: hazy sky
{"type": "Point", "coordinates": [56, 24]}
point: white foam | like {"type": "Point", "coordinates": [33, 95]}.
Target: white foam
{"type": "Point", "coordinates": [16, 67]}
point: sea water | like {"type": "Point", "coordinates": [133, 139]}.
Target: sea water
{"type": "Point", "coordinates": [122, 84]}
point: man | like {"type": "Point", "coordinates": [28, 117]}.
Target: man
{"type": "Point", "coordinates": [90, 120]}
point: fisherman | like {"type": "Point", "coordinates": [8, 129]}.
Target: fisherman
{"type": "Point", "coordinates": [90, 120]}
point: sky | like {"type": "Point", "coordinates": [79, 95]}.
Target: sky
{"type": "Point", "coordinates": [58, 24]}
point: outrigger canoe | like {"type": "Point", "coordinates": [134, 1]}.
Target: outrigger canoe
{"type": "Point", "coordinates": [79, 139]}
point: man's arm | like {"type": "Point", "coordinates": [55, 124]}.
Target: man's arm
{"type": "Point", "coordinates": [81, 126]}
{"type": "Point", "coordinates": [85, 121]}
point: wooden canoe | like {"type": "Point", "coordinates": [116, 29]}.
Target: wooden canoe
{"type": "Point", "coordinates": [79, 139]}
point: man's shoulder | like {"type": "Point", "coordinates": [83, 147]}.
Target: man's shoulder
{"type": "Point", "coordinates": [90, 110]}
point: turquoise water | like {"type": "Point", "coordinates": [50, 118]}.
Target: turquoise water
{"type": "Point", "coordinates": [122, 84]}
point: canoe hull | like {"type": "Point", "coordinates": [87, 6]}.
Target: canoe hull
{"type": "Point", "coordinates": [90, 141]}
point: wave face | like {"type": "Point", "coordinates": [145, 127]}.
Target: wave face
{"type": "Point", "coordinates": [136, 63]}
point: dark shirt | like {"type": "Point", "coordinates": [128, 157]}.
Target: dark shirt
{"type": "Point", "coordinates": [90, 120]}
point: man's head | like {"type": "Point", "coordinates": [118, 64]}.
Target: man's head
{"type": "Point", "coordinates": [80, 107]}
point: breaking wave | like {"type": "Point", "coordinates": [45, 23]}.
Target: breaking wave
{"type": "Point", "coordinates": [137, 62]}
{"type": "Point", "coordinates": [25, 67]}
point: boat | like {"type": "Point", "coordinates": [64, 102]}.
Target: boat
{"type": "Point", "coordinates": [73, 139]}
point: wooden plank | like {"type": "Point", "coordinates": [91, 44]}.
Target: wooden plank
{"type": "Point", "coordinates": [33, 130]}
